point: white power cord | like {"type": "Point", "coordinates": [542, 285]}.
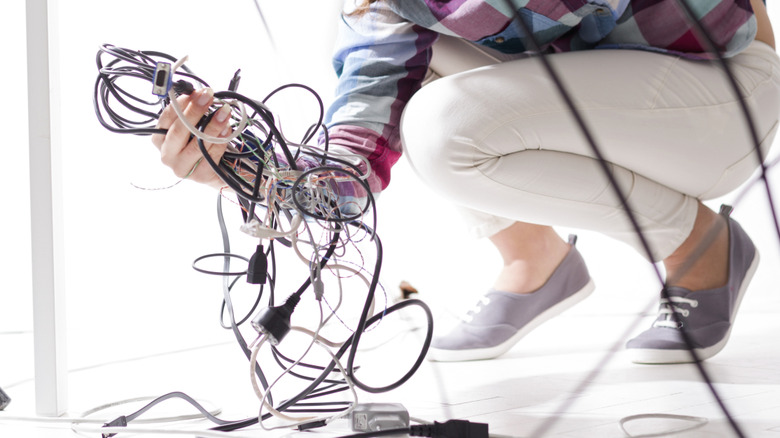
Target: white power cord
{"type": "Point", "coordinates": [195, 131]}
{"type": "Point", "coordinates": [697, 422]}
{"type": "Point", "coordinates": [263, 395]}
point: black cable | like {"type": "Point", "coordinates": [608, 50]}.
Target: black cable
{"type": "Point", "coordinates": [605, 167]}
{"type": "Point", "coordinates": [585, 131]}
{"type": "Point", "coordinates": [332, 365]}
{"type": "Point", "coordinates": [258, 143]}
{"type": "Point", "coordinates": [129, 64]}
{"type": "Point", "coordinates": [226, 296]}
{"type": "Point", "coordinates": [378, 433]}
{"type": "Point", "coordinates": [704, 34]}
{"type": "Point", "coordinates": [179, 395]}
{"type": "Point", "coordinates": [248, 314]}
{"type": "Point", "coordinates": [314, 128]}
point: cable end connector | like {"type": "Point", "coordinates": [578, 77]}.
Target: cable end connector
{"type": "Point", "coordinates": [257, 272]}
{"type": "Point", "coordinates": [233, 86]}
{"type": "Point", "coordinates": [318, 286]}
{"type": "Point", "coordinates": [313, 425]}
{"type": "Point", "coordinates": [450, 429]}
{"type": "Point", "coordinates": [374, 417]}
{"type": "Point", "coordinates": [162, 79]}
{"type": "Point", "coordinates": [274, 322]}
{"type": "Point", "coordinates": [182, 87]}
{"type": "Point", "coordinates": [118, 422]}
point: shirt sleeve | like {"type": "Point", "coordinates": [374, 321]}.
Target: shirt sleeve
{"type": "Point", "coordinates": [381, 59]}
{"type": "Point", "coordinates": [664, 26]}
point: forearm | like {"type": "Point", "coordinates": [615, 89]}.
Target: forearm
{"type": "Point", "coordinates": [764, 32]}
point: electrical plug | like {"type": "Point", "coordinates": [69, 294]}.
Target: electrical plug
{"type": "Point", "coordinates": [275, 321]}
{"type": "Point", "coordinates": [257, 272]}
{"type": "Point", "coordinates": [374, 417]}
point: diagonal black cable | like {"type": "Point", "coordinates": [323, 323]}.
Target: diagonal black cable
{"type": "Point", "coordinates": [580, 122]}
{"type": "Point", "coordinates": [704, 35]}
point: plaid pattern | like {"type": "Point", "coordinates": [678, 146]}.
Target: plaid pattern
{"type": "Point", "coordinates": [382, 57]}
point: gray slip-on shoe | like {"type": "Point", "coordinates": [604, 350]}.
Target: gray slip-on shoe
{"type": "Point", "coordinates": [502, 318]}
{"type": "Point", "coordinates": [707, 316]}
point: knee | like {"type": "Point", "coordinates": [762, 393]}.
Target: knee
{"type": "Point", "coordinates": [438, 132]}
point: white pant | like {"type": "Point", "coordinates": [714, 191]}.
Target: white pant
{"type": "Point", "coordinates": [500, 141]}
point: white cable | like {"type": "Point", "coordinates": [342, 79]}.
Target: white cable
{"type": "Point", "coordinates": [697, 422]}
{"type": "Point", "coordinates": [195, 131]}
{"type": "Point", "coordinates": [262, 395]}
{"type": "Point", "coordinates": [335, 268]}
{"type": "Point", "coordinates": [92, 431]}
{"type": "Point", "coordinates": [82, 418]}
{"type": "Point", "coordinates": [255, 229]}
{"type": "Point", "coordinates": [338, 415]}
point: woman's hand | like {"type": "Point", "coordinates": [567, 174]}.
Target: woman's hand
{"type": "Point", "coordinates": [179, 149]}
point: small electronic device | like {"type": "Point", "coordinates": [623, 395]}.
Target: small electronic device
{"type": "Point", "coordinates": [373, 417]}
{"type": "Point", "coordinates": [162, 79]}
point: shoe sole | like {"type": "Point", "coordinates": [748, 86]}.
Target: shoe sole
{"type": "Point", "coordinates": [439, 355]}
{"type": "Point", "coordinates": [659, 357]}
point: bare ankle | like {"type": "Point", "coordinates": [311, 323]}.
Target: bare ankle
{"type": "Point", "coordinates": [701, 262]}
{"type": "Point", "coordinates": [529, 262]}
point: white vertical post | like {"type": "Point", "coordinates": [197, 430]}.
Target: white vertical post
{"type": "Point", "coordinates": [46, 213]}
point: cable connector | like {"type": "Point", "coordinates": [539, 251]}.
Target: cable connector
{"type": "Point", "coordinates": [450, 429]}
{"type": "Point", "coordinates": [374, 417]}
{"type": "Point", "coordinates": [257, 272]}
{"type": "Point", "coordinates": [312, 425]}
{"type": "Point", "coordinates": [318, 286]}
{"type": "Point", "coordinates": [233, 86]}
{"type": "Point", "coordinates": [182, 87]}
{"type": "Point", "coordinates": [275, 321]}
{"type": "Point", "coordinates": [162, 79]}
{"type": "Point", "coordinates": [118, 422]}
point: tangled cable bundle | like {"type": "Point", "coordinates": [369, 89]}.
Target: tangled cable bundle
{"type": "Point", "coordinates": [288, 193]}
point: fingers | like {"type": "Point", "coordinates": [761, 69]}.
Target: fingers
{"type": "Point", "coordinates": [196, 107]}
{"type": "Point", "coordinates": [203, 173]}
{"type": "Point", "coordinates": [167, 118]}
{"type": "Point", "coordinates": [179, 150]}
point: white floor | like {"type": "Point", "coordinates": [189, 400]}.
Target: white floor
{"type": "Point", "coordinates": [568, 378]}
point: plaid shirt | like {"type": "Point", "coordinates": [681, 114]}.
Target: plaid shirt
{"type": "Point", "coordinates": [382, 57]}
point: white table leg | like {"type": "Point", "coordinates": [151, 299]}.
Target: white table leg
{"type": "Point", "coordinates": [46, 214]}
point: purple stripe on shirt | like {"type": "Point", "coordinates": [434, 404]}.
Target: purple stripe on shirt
{"type": "Point", "coordinates": [474, 20]}
{"type": "Point", "coordinates": [555, 10]}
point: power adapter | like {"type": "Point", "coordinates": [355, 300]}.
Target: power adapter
{"type": "Point", "coordinates": [375, 417]}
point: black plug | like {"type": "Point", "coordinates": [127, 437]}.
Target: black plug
{"type": "Point", "coordinates": [233, 86]}
{"type": "Point", "coordinates": [257, 272]}
{"type": "Point", "coordinates": [450, 429]}
{"type": "Point", "coordinates": [118, 422]}
{"type": "Point", "coordinates": [312, 425]}
{"type": "Point", "coordinates": [275, 321]}
{"type": "Point", "coordinates": [183, 87]}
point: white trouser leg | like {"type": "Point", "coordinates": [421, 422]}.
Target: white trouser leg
{"type": "Point", "coordinates": [500, 140]}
